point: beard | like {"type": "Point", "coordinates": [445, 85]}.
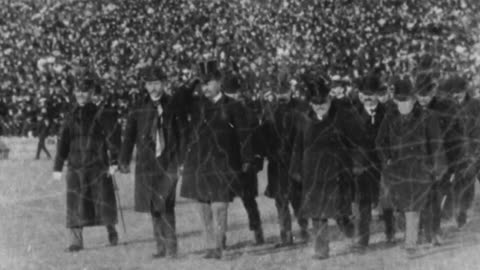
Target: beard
{"type": "Point", "coordinates": [405, 107]}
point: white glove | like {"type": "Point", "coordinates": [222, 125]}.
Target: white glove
{"type": "Point", "coordinates": [57, 176]}
{"type": "Point", "coordinates": [112, 169]}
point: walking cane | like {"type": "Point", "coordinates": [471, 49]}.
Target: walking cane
{"type": "Point", "coordinates": [444, 198]}
{"type": "Point", "coordinates": [119, 204]}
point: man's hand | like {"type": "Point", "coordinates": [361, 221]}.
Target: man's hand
{"type": "Point", "coordinates": [357, 170]}
{"type": "Point", "coordinates": [112, 169]}
{"type": "Point", "coordinates": [57, 176]}
{"type": "Point", "coordinates": [296, 177]}
{"type": "Point", "coordinates": [246, 167]}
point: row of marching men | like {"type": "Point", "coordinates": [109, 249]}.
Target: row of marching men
{"type": "Point", "coordinates": [414, 153]}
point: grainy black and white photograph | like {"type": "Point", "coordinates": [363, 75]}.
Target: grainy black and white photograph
{"type": "Point", "coordinates": [239, 134]}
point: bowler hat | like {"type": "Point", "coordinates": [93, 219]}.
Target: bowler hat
{"type": "Point", "coordinates": [317, 90]}
{"type": "Point", "coordinates": [371, 84]}
{"type": "Point", "coordinates": [424, 84]}
{"type": "Point", "coordinates": [402, 89]}
{"type": "Point", "coordinates": [152, 73]}
{"type": "Point", "coordinates": [454, 84]}
{"type": "Point", "coordinates": [88, 84]}
{"type": "Point", "coordinates": [232, 84]}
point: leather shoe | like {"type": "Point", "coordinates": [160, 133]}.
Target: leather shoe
{"type": "Point", "coordinates": [74, 248]}
{"type": "Point", "coordinates": [214, 254]}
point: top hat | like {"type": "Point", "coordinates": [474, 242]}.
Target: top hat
{"type": "Point", "coordinates": [209, 70]}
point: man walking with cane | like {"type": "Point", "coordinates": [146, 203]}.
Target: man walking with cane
{"type": "Point", "coordinates": [153, 127]}
{"type": "Point", "coordinates": [90, 193]}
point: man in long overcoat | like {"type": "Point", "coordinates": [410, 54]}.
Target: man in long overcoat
{"type": "Point", "coordinates": [90, 192]}
{"type": "Point", "coordinates": [279, 129]}
{"type": "Point", "coordinates": [233, 89]}
{"type": "Point", "coordinates": [410, 145]}
{"type": "Point", "coordinates": [153, 126]}
{"type": "Point", "coordinates": [321, 153]}
{"type": "Point", "coordinates": [214, 158]}
{"type": "Point", "coordinates": [451, 128]}
{"type": "Point", "coordinates": [456, 87]}
{"type": "Point", "coordinates": [369, 114]}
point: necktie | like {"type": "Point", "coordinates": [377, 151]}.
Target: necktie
{"type": "Point", "coordinates": [158, 131]}
{"type": "Point", "coordinates": [372, 115]}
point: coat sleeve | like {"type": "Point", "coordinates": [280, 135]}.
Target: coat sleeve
{"type": "Point", "coordinates": [435, 145]}
{"type": "Point", "coordinates": [63, 146]}
{"type": "Point", "coordinates": [113, 136]}
{"type": "Point", "coordinates": [239, 117]}
{"type": "Point", "coordinates": [382, 141]}
{"type": "Point", "coordinates": [351, 134]}
{"type": "Point", "coordinates": [454, 146]}
{"type": "Point", "coordinates": [297, 155]}
{"type": "Point", "coordinates": [129, 140]}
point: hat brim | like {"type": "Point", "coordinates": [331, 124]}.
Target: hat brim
{"type": "Point", "coordinates": [369, 92]}
{"type": "Point", "coordinates": [402, 97]}
{"type": "Point", "coordinates": [319, 100]}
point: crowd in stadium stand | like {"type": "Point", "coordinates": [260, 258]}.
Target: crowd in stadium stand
{"type": "Point", "coordinates": [44, 44]}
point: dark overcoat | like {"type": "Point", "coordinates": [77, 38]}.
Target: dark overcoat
{"type": "Point", "coordinates": [322, 156]}
{"type": "Point", "coordinates": [109, 119]}
{"type": "Point", "coordinates": [367, 181]}
{"type": "Point", "coordinates": [451, 128]}
{"type": "Point", "coordinates": [214, 156]}
{"type": "Point", "coordinates": [412, 156]}
{"type": "Point", "coordinates": [464, 182]}
{"type": "Point", "coordinates": [90, 191]}
{"type": "Point", "coordinates": [255, 141]}
{"type": "Point", "coordinates": [469, 116]}
{"type": "Point", "coordinates": [155, 177]}
{"type": "Point", "coordinates": [279, 128]}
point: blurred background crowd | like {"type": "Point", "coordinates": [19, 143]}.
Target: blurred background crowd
{"type": "Point", "coordinates": [43, 44]}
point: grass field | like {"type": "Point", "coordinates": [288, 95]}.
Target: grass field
{"type": "Point", "coordinates": [33, 235]}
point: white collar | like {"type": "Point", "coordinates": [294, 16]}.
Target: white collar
{"type": "Point", "coordinates": [217, 97]}
{"type": "Point", "coordinates": [370, 109]}
{"type": "Point", "coordinates": [157, 99]}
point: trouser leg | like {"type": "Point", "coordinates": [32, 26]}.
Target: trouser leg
{"type": "Point", "coordinates": [389, 222]}
{"type": "Point", "coordinates": [321, 245]}
{"type": "Point", "coordinates": [254, 220]}
{"type": "Point", "coordinates": [315, 225]}
{"type": "Point", "coordinates": [346, 226]}
{"type": "Point", "coordinates": [411, 230]}
{"type": "Point", "coordinates": [284, 220]}
{"type": "Point", "coordinates": [430, 216]}
{"type": "Point", "coordinates": [206, 216]}
{"type": "Point", "coordinates": [44, 148]}
{"type": "Point", "coordinates": [465, 191]}
{"type": "Point", "coordinates": [169, 227]}
{"type": "Point", "coordinates": [112, 235]}
{"type": "Point", "coordinates": [253, 213]}
{"type": "Point", "coordinates": [158, 234]}
{"type": "Point", "coordinates": [365, 217]}
{"type": "Point", "coordinates": [76, 239]}
{"type": "Point", "coordinates": [447, 196]}
{"type": "Point", "coordinates": [296, 201]}
{"type": "Point", "coordinates": [164, 228]}
{"type": "Point", "coordinates": [220, 215]}
{"type": "Point", "coordinates": [39, 149]}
